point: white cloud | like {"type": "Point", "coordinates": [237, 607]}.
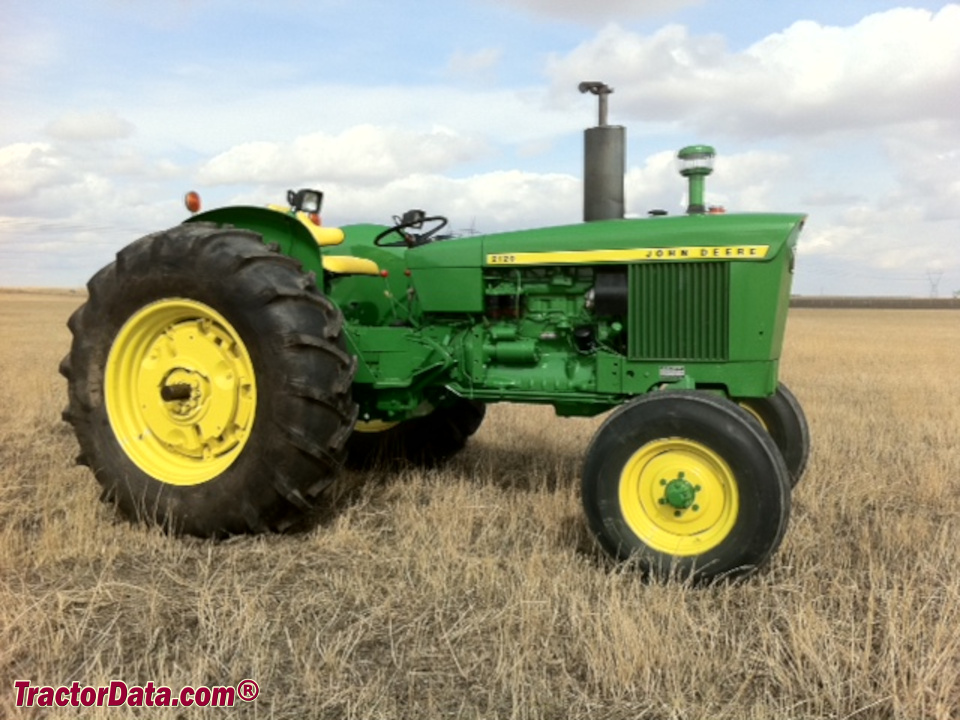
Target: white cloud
{"type": "Point", "coordinates": [65, 209]}
{"type": "Point", "coordinates": [926, 163]}
{"type": "Point", "coordinates": [878, 243]}
{"type": "Point", "coordinates": [654, 185]}
{"type": "Point", "coordinates": [751, 181]}
{"type": "Point", "coordinates": [233, 118]}
{"type": "Point", "coordinates": [859, 125]}
{"type": "Point", "coordinates": [89, 126]}
{"type": "Point", "coordinates": [495, 201]}
{"type": "Point", "coordinates": [826, 198]}
{"type": "Point", "coordinates": [510, 200]}
{"type": "Point", "coordinates": [834, 239]}
{"type": "Point", "coordinates": [49, 177]}
{"type": "Point", "coordinates": [25, 168]}
{"type": "Point", "coordinates": [514, 199]}
{"type": "Point", "coordinates": [889, 68]}
{"type": "Point", "coordinates": [365, 154]}
{"type": "Point", "coordinates": [599, 10]}
{"type": "Point", "coordinates": [741, 182]}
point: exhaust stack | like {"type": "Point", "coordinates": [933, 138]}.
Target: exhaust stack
{"type": "Point", "coordinates": [604, 162]}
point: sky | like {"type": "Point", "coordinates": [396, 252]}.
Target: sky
{"type": "Point", "coordinates": [111, 110]}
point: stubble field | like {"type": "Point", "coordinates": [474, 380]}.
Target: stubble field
{"type": "Point", "coordinates": [475, 591]}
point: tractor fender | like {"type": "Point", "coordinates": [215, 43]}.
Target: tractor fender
{"type": "Point", "coordinates": [295, 234]}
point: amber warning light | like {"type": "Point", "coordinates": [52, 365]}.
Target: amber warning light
{"type": "Point", "coordinates": [192, 201]}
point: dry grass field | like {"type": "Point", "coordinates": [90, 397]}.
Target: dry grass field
{"type": "Point", "coordinates": [475, 592]}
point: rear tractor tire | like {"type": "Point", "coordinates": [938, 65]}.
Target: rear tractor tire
{"type": "Point", "coordinates": [209, 383]}
{"type": "Point", "coordinates": [686, 484]}
{"type": "Point", "coordinates": [424, 441]}
{"type": "Point", "coordinates": [782, 416]}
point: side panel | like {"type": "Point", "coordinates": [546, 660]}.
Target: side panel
{"type": "Point", "coordinates": [399, 369]}
{"type": "Point", "coordinates": [447, 275]}
{"type": "Point", "coordinates": [371, 300]}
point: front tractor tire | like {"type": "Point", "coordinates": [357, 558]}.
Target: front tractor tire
{"type": "Point", "coordinates": [686, 484]}
{"type": "Point", "coordinates": [782, 416]}
{"type": "Point", "coordinates": [209, 383]}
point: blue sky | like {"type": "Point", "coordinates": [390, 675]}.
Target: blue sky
{"type": "Point", "coordinates": [848, 111]}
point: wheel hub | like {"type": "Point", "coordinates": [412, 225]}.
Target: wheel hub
{"type": "Point", "coordinates": [180, 391]}
{"type": "Point", "coordinates": [184, 393]}
{"type": "Point", "coordinates": [679, 493]}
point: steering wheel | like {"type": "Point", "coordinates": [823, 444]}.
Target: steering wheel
{"type": "Point", "coordinates": [412, 219]}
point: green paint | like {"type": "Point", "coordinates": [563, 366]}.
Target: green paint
{"type": "Point", "coordinates": [679, 493]}
{"type": "Point", "coordinates": [696, 162]}
{"type": "Point", "coordinates": [463, 317]}
{"type": "Point", "coordinates": [274, 227]}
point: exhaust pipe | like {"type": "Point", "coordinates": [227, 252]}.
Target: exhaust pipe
{"type": "Point", "coordinates": [604, 162]}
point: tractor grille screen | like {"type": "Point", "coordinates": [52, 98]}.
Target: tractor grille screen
{"type": "Point", "coordinates": [679, 311]}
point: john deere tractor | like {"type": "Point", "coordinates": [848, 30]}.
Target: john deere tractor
{"type": "Point", "coordinates": [222, 371]}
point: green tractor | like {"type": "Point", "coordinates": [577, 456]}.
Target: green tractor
{"type": "Point", "coordinates": [223, 371]}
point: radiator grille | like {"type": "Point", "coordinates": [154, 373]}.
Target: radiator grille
{"type": "Point", "coordinates": [679, 311]}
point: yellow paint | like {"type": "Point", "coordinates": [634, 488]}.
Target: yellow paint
{"type": "Point", "coordinates": [746, 406]}
{"type": "Point", "coordinates": [692, 532]}
{"type": "Point", "coordinates": [349, 265]}
{"type": "Point", "coordinates": [177, 342]}
{"type": "Point", "coordinates": [323, 236]}
{"type": "Point", "coordinates": [675, 254]}
{"type": "Point", "coordinates": [374, 426]}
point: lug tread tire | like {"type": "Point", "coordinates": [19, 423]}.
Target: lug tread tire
{"type": "Point", "coordinates": [293, 333]}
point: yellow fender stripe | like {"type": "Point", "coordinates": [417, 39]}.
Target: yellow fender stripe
{"type": "Point", "coordinates": [707, 252]}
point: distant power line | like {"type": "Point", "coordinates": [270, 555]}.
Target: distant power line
{"type": "Point", "coordinates": [472, 230]}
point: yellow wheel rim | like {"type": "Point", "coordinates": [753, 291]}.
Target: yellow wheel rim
{"type": "Point", "coordinates": [755, 414]}
{"type": "Point", "coordinates": [678, 496]}
{"type": "Point", "coordinates": [180, 391]}
{"type": "Point", "coordinates": [374, 426]}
